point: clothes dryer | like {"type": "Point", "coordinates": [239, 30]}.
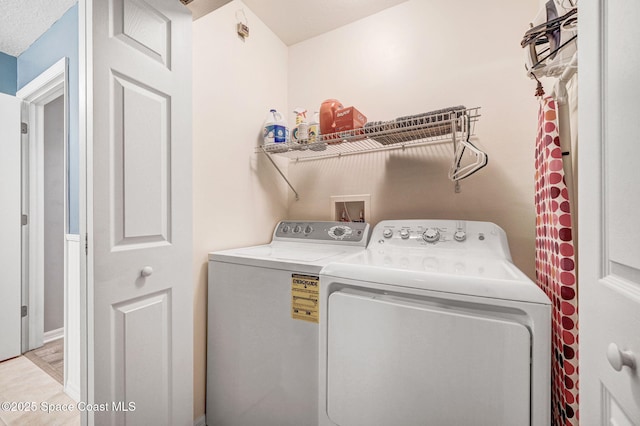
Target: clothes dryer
{"type": "Point", "coordinates": [262, 351]}
{"type": "Point", "coordinates": [433, 325]}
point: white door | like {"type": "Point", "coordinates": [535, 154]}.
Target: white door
{"type": "Point", "coordinates": [609, 196]}
{"type": "Point", "coordinates": [10, 232]}
{"type": "Point", "coordinates": [139, 214]}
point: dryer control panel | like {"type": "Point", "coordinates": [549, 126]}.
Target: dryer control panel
{"type": "Point", "coordinates": [349, 233]}
{"type": "Point", "coordinates": [441, 234]}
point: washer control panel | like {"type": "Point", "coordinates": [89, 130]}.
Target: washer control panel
{"type": "Point", "coordinates": [440, 234]}
{"type": "Point", "coordinates": [330, 232]}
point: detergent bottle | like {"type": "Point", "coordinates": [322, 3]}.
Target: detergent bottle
{"type": "Point", "coordinates": [275, 128]}
{"type": "Point", "coordinates": [328, 115]}
{"type": "Point", "coordinates": [328, 118]}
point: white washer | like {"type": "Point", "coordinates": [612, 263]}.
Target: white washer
{"type": "Point", "coordinates": [433, 325]}
{"type": "Point", "coordinates": [262, 357]}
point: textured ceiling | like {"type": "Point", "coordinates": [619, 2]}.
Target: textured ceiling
{"type": "Point", "coordinates": [296, 20]}
{"type": "Point", "coordinates": [23, 21]}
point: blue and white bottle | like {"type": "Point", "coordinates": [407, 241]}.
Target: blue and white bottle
{"type": "Point", "coordinates": [275, 128]}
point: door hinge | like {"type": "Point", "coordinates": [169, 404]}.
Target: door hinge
{"type": "Point", "coordinates": [86, 244]}
{"type": "Point", "coordinates": [24, 311]}
{"type": "Point", "coordinates": [24, 128]}
{"type": "Point", "coordinates": [24, 220]}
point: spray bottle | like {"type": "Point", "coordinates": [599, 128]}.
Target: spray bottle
{"type": "Point", "coordinates": [300, 132]}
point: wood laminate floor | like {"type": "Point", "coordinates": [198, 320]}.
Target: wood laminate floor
{"type": "Point", "coordinates": [50, 358]}
{"type": "Point", "coordinates": [26, 392]}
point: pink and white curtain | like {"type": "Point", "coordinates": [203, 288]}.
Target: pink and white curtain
{"type": "Point", "coordinates": [555, 264]}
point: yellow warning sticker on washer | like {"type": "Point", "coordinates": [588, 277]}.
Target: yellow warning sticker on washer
{"type": "Point", "coordinates": [305, 293]}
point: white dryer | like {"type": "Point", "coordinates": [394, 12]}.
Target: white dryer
{"type": "Point", "coordinates": [262, 350]}
{"type": "Point", "coordinates": [433, 325]}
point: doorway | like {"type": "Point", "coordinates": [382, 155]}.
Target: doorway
{"type": "Point", "coordinates": [50, 356]}
{"type": "Point", "coordinates": [50, 256]}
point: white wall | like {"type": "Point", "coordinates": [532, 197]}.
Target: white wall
{"type": "Point", "coordinates": [412, 58]}
{"type": "Point", "coordinates": [238, 196]}
{"type": "Point", "coordinates": [54, 226]}
{"type": "Point", "coordinates": [409, 59]}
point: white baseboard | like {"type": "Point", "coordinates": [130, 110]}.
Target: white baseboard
{"type": "Point", "coordinates": [202, 421]}
{"type": "Point", "coordinates": [51, 335]}
{"type": "Point", "coordinates": [71, 390]}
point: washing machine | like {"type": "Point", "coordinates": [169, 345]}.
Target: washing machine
{"type": "Point", "coordinates": [262, 336]}
{"type": "Point", "coordinates": [433, 325]}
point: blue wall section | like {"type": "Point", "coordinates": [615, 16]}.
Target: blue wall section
{"type": "Point", "coordinates": [61, 40]}
{"type": "Point", "coordinates": [8, 74]}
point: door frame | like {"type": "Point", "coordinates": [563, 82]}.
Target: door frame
{"type": "Point", "coordinates": [85, 201]}
{"type": "Point", "coordinates": [43, 89]}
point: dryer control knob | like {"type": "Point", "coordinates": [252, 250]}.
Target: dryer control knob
{"type": "Point", "coordinates": [308, 230]}
{"type": "Point", "coordinates": [404, 234]}
{"type": "Point", "coordinates": [387, 233]}
{"type": "Point", "coordinates": [460, 236]}
{"type": "Point", "coordinates": [431, 235]}
{"type": "Point", "coordinates": [285, 229]}
{"type": "Point", "coordinates": [297, 229]}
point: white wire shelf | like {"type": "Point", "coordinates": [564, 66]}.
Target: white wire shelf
{"type": "Point", "coordinates": [444, 126]}
{"type": "Point", "coordinates": [451, 125]}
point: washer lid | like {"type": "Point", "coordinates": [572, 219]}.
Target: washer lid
{"type": "Point", "coordinates": [472, 275]}
{"type": "Point", "coordinates": [286, 255]}
{"type": "Point", "coordinates": [285, 252]}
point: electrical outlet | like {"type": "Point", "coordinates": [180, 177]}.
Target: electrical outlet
{"type": "Point", "coordinates": [351, 208]}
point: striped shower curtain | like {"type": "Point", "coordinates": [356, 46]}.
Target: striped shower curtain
{"type": "Point", "coordinates": [555, 265]}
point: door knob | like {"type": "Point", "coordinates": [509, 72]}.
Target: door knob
{"type": "Point", "coordinates": [146, 271]}
{"type": "Point", "coordinates": [619, 359]}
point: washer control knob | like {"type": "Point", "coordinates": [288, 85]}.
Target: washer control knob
{"type": "Point", "coordinates": [308, 230]}
{"type": "Point", "coordinates": [404, 234]}
{"type": "Point", "coordinates": [340, 232]}
{"type": "Point", "coordinates": [387, 233]}
{"type": "Point", "coordinates": [460, 236]}
{"type": "Point", "coordinates": [431, 235]}
{"type": "Point", "coordinates": [285, 229]}
{"type": "Point", "coordinates": [297, 229]}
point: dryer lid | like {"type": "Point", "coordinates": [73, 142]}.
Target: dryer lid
{"type": "Point", "coordinates": [433, 365]}
{"type": "Point", "coordinates": [474, 276]}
